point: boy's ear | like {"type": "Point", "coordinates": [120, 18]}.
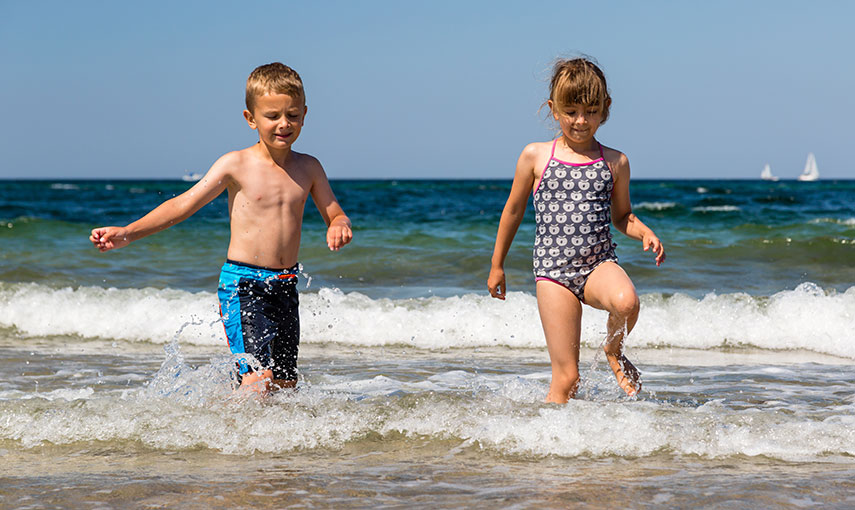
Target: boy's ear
{"type": "Point", "coordinates": [249, 119]}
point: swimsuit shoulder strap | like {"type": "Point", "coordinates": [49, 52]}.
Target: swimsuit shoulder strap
{"type": "Point", "coordinates": [552, 154]}
{"type": "Point", "coordinates": [601, 150]}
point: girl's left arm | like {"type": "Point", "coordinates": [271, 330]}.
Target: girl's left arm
{"type": "Point", "coordinates": [622, 215]}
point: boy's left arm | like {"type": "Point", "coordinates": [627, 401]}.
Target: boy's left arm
{"type": "Point", "coordinates": [339, 231]}
{"type": "Point", "coordinates": [622, 215]}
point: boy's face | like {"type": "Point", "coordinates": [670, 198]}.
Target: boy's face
{"type": "Point", "coordinates": [278, 119]}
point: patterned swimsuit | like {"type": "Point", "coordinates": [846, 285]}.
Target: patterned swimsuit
{"type": "Point", "coordinates": [572, 204]}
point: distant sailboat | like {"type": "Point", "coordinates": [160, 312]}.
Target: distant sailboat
{"type": "Point", "coordinates": [191, 176]}
{"type": "Point", "coordinates": [811, 172]}
{"type": "Point", "coordinates": [766, 174]}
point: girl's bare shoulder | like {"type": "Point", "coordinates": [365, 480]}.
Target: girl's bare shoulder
{"type": "Point", "coordinates": [616, 160]}
{"type": "Point", "coordinates": [535, 156]}
{"type": "Point", "coordinates": [537, 149]}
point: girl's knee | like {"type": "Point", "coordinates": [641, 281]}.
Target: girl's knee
{"type": "Point", "coordinates": [626, 304]}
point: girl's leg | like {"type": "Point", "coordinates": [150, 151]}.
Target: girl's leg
{"type": "Point", "coordinates": [609, 288]}
{"type": "Point", "coordinates": [561, 316]}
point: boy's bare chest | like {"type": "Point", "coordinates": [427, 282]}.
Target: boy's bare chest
{"type": "Point", "coordinates": [275, 191]}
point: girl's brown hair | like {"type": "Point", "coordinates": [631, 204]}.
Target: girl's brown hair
{"type": "Point", "coordinates": [579, 81]}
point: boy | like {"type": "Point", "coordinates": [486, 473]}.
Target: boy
{"type": "Point", "coordinates": [268, 185]}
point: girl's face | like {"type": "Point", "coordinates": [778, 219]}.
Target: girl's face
{"type": "Point", "coordinates": [578, 122]}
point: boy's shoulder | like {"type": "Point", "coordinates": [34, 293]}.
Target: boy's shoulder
{"type": "Point", "coordinates": [244, 159]}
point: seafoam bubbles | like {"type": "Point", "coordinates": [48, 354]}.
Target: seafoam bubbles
{"type": "Point", "coordinates": [655, 206]}
{"type": "Point", "coordinates": [187, 408]}
{"type": "Point", "coordinates": [124, 314]}
{"type": "Point", "coordinates": [459, 321]}
{"type": "Point", "coordinates": [807, 318]}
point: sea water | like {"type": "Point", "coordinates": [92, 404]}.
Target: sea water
{"type": "Point", "coordinates": [416, 387]}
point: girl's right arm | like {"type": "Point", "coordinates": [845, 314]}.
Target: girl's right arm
{"type": "Point", "coordinates": [512, 216]}
{"type": "Point", "coordinates": [174, 210]}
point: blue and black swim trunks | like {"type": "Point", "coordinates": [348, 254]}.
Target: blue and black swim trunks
{"type": "Point", "coordinates": [260, 311]}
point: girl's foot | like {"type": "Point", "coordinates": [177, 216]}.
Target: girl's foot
{"type": "Point", "coordinates": [628, 377]}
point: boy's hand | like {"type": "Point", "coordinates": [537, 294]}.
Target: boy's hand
{"type": "Point", "coordinates": [651, 242]}
{"type": "Point", "coordinates": [338, 236]}
{"type": "Point", "coordinates": [109, 238]}
{"type": "Point", "coordinates": [496, 283]}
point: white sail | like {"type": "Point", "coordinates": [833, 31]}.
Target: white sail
{"type": "Point", "coordinates": [811, 171]}
{"type": "Point", "coordinates": [766, 174]}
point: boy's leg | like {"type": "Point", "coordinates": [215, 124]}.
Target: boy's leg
{"type": "Point", "coordinates": [609, 288]}
{"type": "Point", "coordinates": [244, 308]}
{"type": "Point", "coordinates": [561, 316]}
{"type": "Point", "coordinates": [257, 382]}
{"type": "Point", "coordinates": [285, 344]}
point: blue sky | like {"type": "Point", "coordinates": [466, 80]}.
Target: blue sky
{"type": "Point", "coordinates": [400, 89]}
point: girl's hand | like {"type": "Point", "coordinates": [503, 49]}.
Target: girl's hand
{"type": "Point", "coordinates": [650, 242]}
{"type": "Point", "coordinates": [338, 236]}
{"type": "Point", "coordinates": [496, 283]}
{"type": "Point", "coordinates": [109, 238]}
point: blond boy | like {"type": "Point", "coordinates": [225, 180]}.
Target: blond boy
{"type": "Point", "coordinates": [268, 185]}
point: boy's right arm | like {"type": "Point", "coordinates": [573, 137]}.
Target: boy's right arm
{"type": "Point", "coordinates": [174, 210]}
{"type": "Point", "coordinates": [512, 216]}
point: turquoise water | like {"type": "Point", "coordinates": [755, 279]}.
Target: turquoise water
{"type": "Point", "coordinates": [416, 388]}
{"type": "Point", "coordinates": [723, 236]}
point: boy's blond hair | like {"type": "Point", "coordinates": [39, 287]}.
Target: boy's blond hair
{"type": "Point", "coordinates": [579, 81]}
{"type": "Point", "coordinates": [277, 78]}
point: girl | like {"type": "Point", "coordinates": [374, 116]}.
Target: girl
{"type": "Point", "coordinates": [579, 187]}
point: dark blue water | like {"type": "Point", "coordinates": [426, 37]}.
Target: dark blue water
{"type": "Point", "coordinates": [416, 236]}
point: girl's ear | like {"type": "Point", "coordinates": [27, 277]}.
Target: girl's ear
{"type": "Point", "coordinates": [551, 109]}
{"type": "Point", "coordinates": [249, 119]}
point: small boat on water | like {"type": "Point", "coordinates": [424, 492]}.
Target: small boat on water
{"type": "Point", "coordinates": [766, 174]}
{"type": "Point", "coordinates": [811, 171]}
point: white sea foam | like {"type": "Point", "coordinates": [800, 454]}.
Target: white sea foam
{"type": "Point", "coordinates": [806, 318]}
{"type": "Point", "coordinates": [849, 222]}
{"type": "Point", "coordinates": [717, 208]}
{"type": "Point", "coordinates": [183, 409]}
{"type": "Point", "coordinates": [655, 206]}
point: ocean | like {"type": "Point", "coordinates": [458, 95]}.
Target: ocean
{"type": "Point", "coordinates": [416, 388]}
